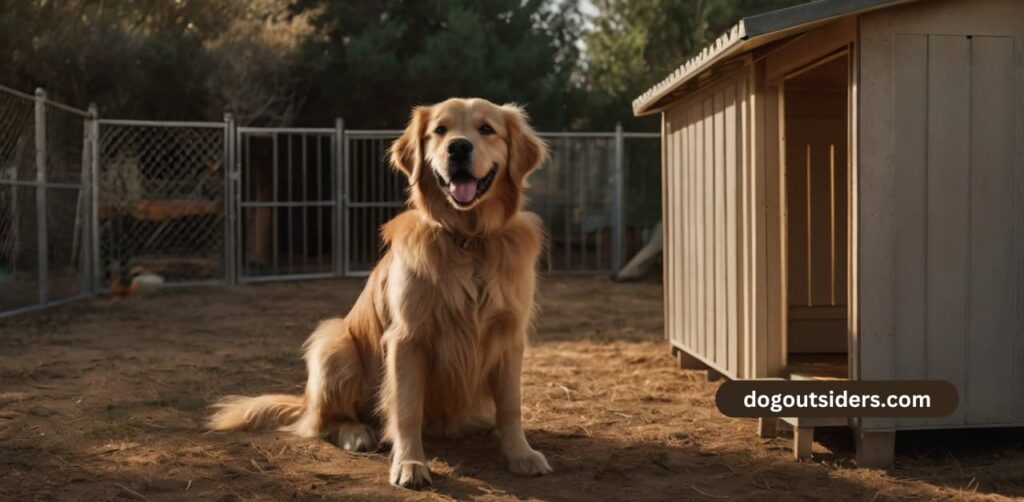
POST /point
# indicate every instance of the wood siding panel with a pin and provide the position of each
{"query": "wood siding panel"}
(685, 237)
(702, 228)
(679, 186)
(911, 127)
(731, 191)
(743, 231)
(992, 302)
(1017, 381)
(721, 282)
(874, 176)
(707, 167)
(958, 304)
(909, 287)
(775, 201)
(691, 218)
(947, 232)
(706, 147)
(762, 363)
(673, 251)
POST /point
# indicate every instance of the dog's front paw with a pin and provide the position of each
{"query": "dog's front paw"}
(531, 462)
(411, 474)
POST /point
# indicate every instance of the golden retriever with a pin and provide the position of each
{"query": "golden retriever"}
(435, 341)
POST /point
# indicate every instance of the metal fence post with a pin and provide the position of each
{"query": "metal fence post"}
(340, 168)
(230, 209)
(41, 230)
(618, 224)
(88, 188)
(97, 260)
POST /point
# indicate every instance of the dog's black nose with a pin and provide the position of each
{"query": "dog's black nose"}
(460, 148)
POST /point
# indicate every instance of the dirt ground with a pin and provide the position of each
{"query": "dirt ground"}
(105, 399)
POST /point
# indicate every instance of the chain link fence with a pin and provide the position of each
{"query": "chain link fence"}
(161, 200)
(45, 202)
(89, 205)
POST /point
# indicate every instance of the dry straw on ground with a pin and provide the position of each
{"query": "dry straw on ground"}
(105, 399)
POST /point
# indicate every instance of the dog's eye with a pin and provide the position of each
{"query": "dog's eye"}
(486, 130)
(440, 130)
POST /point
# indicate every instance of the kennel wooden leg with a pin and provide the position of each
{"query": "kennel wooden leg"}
(767, 427)
(803, 439)
(876, 448)
(688, 362)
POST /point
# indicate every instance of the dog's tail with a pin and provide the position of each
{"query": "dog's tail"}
(261, 412)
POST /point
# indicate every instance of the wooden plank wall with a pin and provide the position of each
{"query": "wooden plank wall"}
(941, 204)
(705, 210)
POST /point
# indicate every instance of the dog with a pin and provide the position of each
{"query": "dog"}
(435, 341)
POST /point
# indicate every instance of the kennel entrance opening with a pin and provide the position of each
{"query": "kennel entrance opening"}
(816, 142)
(287, 200)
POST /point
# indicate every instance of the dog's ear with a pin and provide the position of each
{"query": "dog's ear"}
(526, 150)
(407, 150)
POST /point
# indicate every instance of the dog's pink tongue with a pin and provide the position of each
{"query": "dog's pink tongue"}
(463, 191)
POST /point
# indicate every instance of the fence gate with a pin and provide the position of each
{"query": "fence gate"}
(287, 204)
(374, 193)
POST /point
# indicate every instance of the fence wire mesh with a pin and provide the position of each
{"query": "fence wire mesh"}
(67, 204)
(19, 279)
(138, 196)
(574, 194)
(642, 189)
(44, 213)
(161, 201)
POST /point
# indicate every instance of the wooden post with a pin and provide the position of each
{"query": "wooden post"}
(876, 448)
(688, 362)
(714, 375)
(803, 439)
(767, 427)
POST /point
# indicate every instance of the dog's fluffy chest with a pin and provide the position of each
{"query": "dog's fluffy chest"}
(465, 298)
(476, 284)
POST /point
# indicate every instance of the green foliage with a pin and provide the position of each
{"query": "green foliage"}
(308, 61)
(141, 58)
(635, 43)
(379, 57)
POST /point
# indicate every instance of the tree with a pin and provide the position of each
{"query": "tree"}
(373, 59)
(635, 43)
(252, 72)
(149, 59)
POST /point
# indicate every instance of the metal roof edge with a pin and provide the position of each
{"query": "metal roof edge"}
(749, 28)
(722, 46)
(807, 13)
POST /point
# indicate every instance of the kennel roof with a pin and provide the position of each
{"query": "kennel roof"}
(750, 33)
